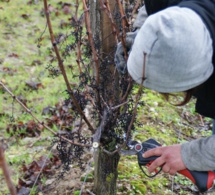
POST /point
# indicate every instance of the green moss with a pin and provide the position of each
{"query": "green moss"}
(76, 192)
(110, 177)
(87, 178)
(138, 187)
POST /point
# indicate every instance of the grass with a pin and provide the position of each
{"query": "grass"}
(21, 61)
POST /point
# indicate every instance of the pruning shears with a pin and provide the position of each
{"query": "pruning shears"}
(204, 180)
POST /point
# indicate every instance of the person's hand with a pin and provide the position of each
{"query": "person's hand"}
(119, 59)
(169, 158)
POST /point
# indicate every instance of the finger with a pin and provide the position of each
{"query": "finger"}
(120, 63)
(165, 168)
(172, 171)
(119, 60)
(155, 164)
(153, 152)
(119, 49)
(121, 66)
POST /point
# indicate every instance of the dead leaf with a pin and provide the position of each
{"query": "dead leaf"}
(66, 9)
(34, 85)
(25, 16)
(13, 55)
(31, 129)
(36, 62)
(51, 8)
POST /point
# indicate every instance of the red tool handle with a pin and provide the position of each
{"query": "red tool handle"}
(202, 179)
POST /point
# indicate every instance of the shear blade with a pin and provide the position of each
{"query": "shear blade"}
(128, 152)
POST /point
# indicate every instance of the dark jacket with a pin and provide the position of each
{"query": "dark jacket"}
(205, 104)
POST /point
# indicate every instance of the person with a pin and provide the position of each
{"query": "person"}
(172, 50)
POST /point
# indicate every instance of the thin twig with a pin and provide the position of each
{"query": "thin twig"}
(61, 66)
(91, 193)
(78, 60)
(40, 122)
(79, 56)
(128, 89)
(89, 164)
(122, 104)
(201, 120)
(134, 112)
(41, 169)
(124, 24)
(100, 129)
(6, 173)
(79, 43)
(94, 52)
(90, 38)
(137, 100)
(76, 8)
(105, 103)
(105, 6)
(135, 8)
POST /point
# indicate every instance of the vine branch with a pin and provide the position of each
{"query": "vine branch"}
(134, 111)
(90, 38)
(40, 122)
(124, 24)
(105, 6)
(6, 173)
(61, 66)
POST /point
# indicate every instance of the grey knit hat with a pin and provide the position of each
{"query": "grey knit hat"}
(178, 50)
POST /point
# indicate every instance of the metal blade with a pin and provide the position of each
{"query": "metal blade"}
(132, 151)
(128, 152)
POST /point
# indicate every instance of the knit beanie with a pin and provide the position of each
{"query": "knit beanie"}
(178, 51)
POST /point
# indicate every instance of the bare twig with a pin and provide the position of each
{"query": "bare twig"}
(6, 173)
(134, 111)
(105, 103)
(94, 52)
(100, 129)
(40, 122)
(91, 193)
(76, 8)
(105, 6)
(201, 120)
(44, 163)
(78, 60)
(136, 100)
(61, 66)
(89, 164)
(128, 89)
(124, 24)
(135, 8)
(118, 106)
(90, 38)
